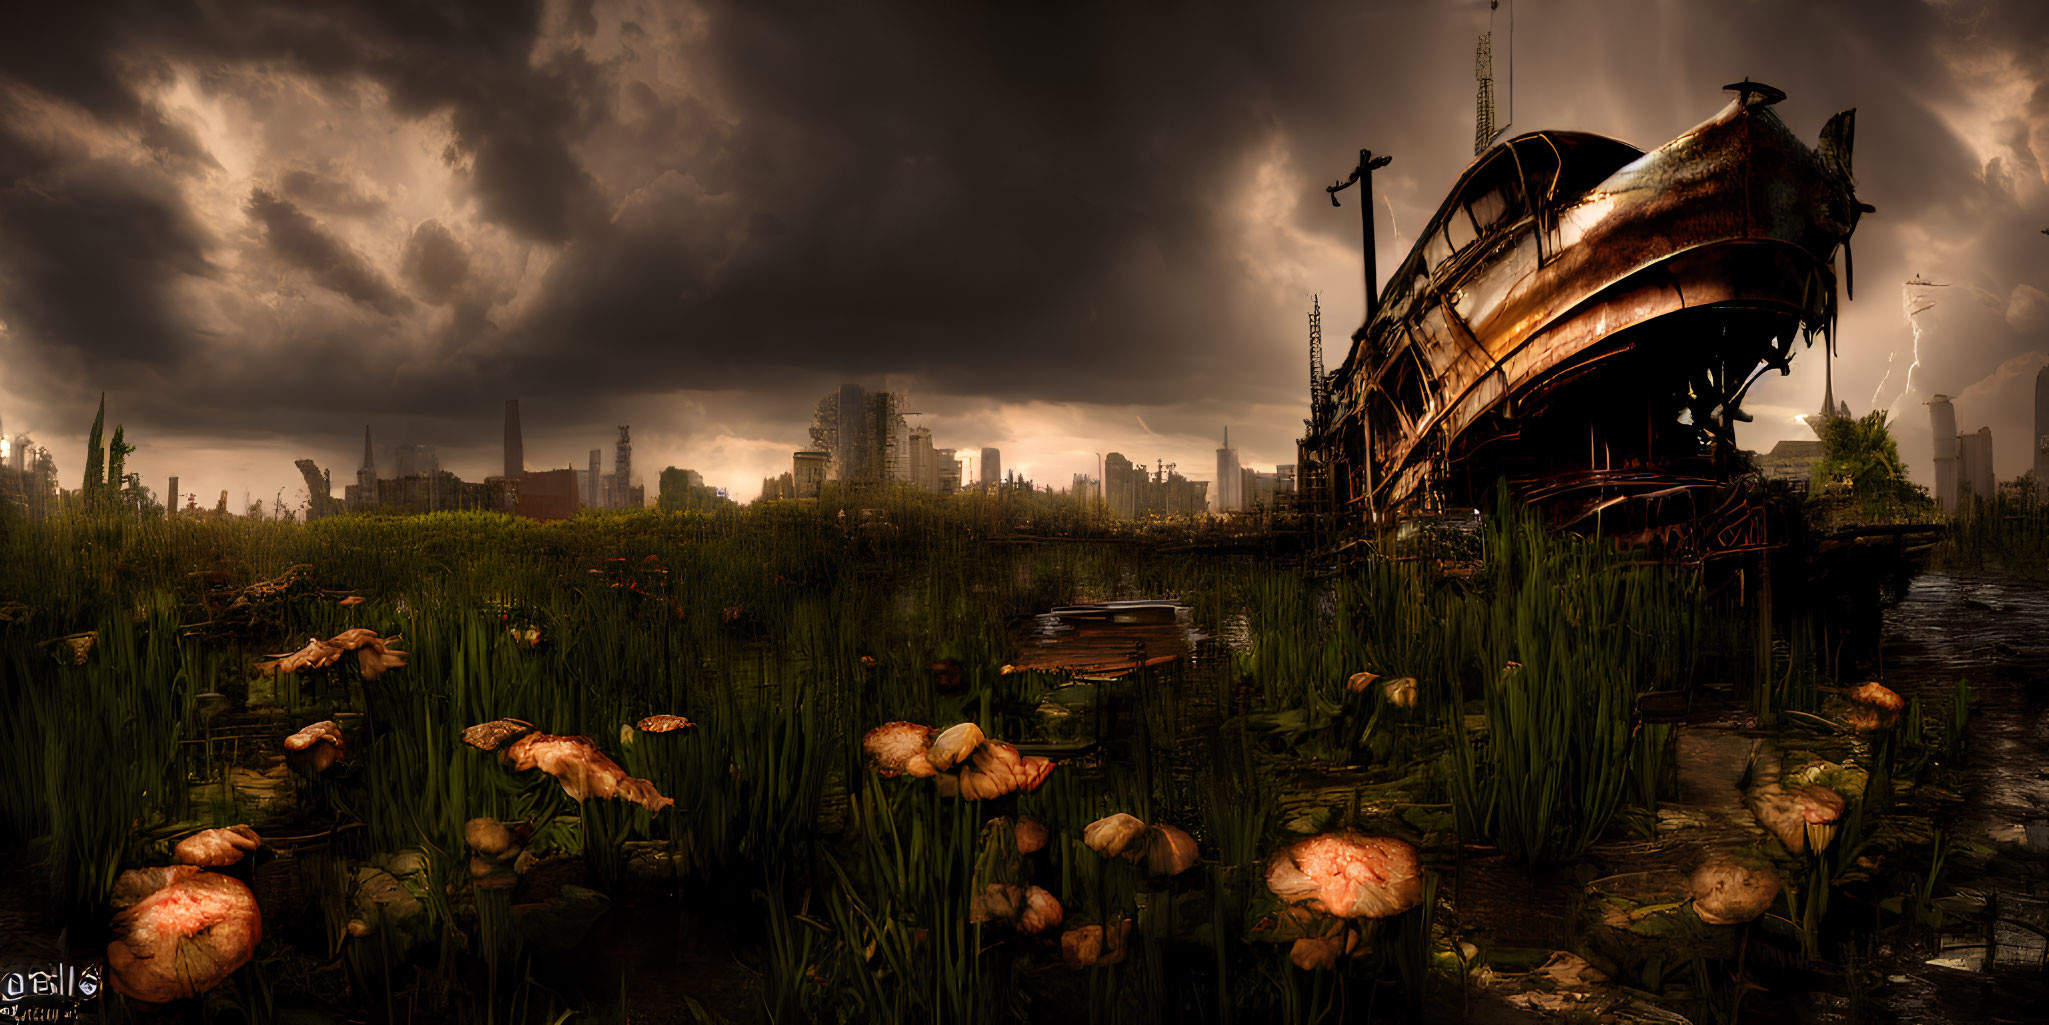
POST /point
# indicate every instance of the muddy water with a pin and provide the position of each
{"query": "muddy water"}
(1994, 632)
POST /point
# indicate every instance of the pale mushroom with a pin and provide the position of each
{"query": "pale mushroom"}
(997, 769)
(1358, 682)
(1087, 946)
(1804, 818)
(1321, 953)
(316, 748)
(1731, 891)
(582, 769)
(996, 902)
(489, 838)
(1348, 875)
(1400, 691)
(920, 767)
(351, 640)
(1041, 912)
(490, 735)
(663, 724)
(891, 746)
(1169, 851)
(317, 654)
(377, 656)
(351, 600)
(1112, 835)
(1031, 835)
(183, 932)
(217, 848)
(950, 747)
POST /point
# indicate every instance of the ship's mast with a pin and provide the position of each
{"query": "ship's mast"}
(1318, 385)
(1483, 101)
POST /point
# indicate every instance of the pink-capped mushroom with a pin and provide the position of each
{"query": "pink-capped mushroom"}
(995, 770)
(1348, 875)
(182, 932)
(582, 769)
(1804, 818)
(316, 748)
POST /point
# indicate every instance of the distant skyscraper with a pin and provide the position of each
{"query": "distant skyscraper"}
(992, 467)
(2042, 433)
(924, 461)
(622, 470)
(515, 448)
(593, 496)
(1230, 485)
(946, 464)
(807, 472)
(1942, 422)
(366, 475)
(850, 453)
(1974, 464)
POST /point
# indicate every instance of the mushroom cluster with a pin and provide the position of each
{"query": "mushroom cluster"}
(575, 762)
(1347, 875)
(1031, 910)
(1804, 818)
(374, 654)
(1164, 850)
(963, 762)
(181, 930)
(315, 748)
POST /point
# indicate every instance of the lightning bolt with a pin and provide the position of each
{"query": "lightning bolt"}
(1914, 301)
(1888, 368)
(1392, 226)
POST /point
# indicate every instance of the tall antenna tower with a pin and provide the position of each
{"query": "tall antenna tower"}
(1317, 384)
(1483, 101)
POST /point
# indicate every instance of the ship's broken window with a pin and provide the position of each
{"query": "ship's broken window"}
(1458, 230)
(1404, 384)
(1383, 427)
(1436, 250)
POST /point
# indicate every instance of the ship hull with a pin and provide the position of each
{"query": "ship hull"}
(1592, 343)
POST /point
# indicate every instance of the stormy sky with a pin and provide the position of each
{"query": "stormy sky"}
(1061, 229)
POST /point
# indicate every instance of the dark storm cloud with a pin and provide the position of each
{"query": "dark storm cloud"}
(326, 194)
(435, 263)
(91, 259)
(1004, 203)
(303, 244)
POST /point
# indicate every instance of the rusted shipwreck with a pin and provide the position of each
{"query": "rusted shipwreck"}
(1581, 320)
